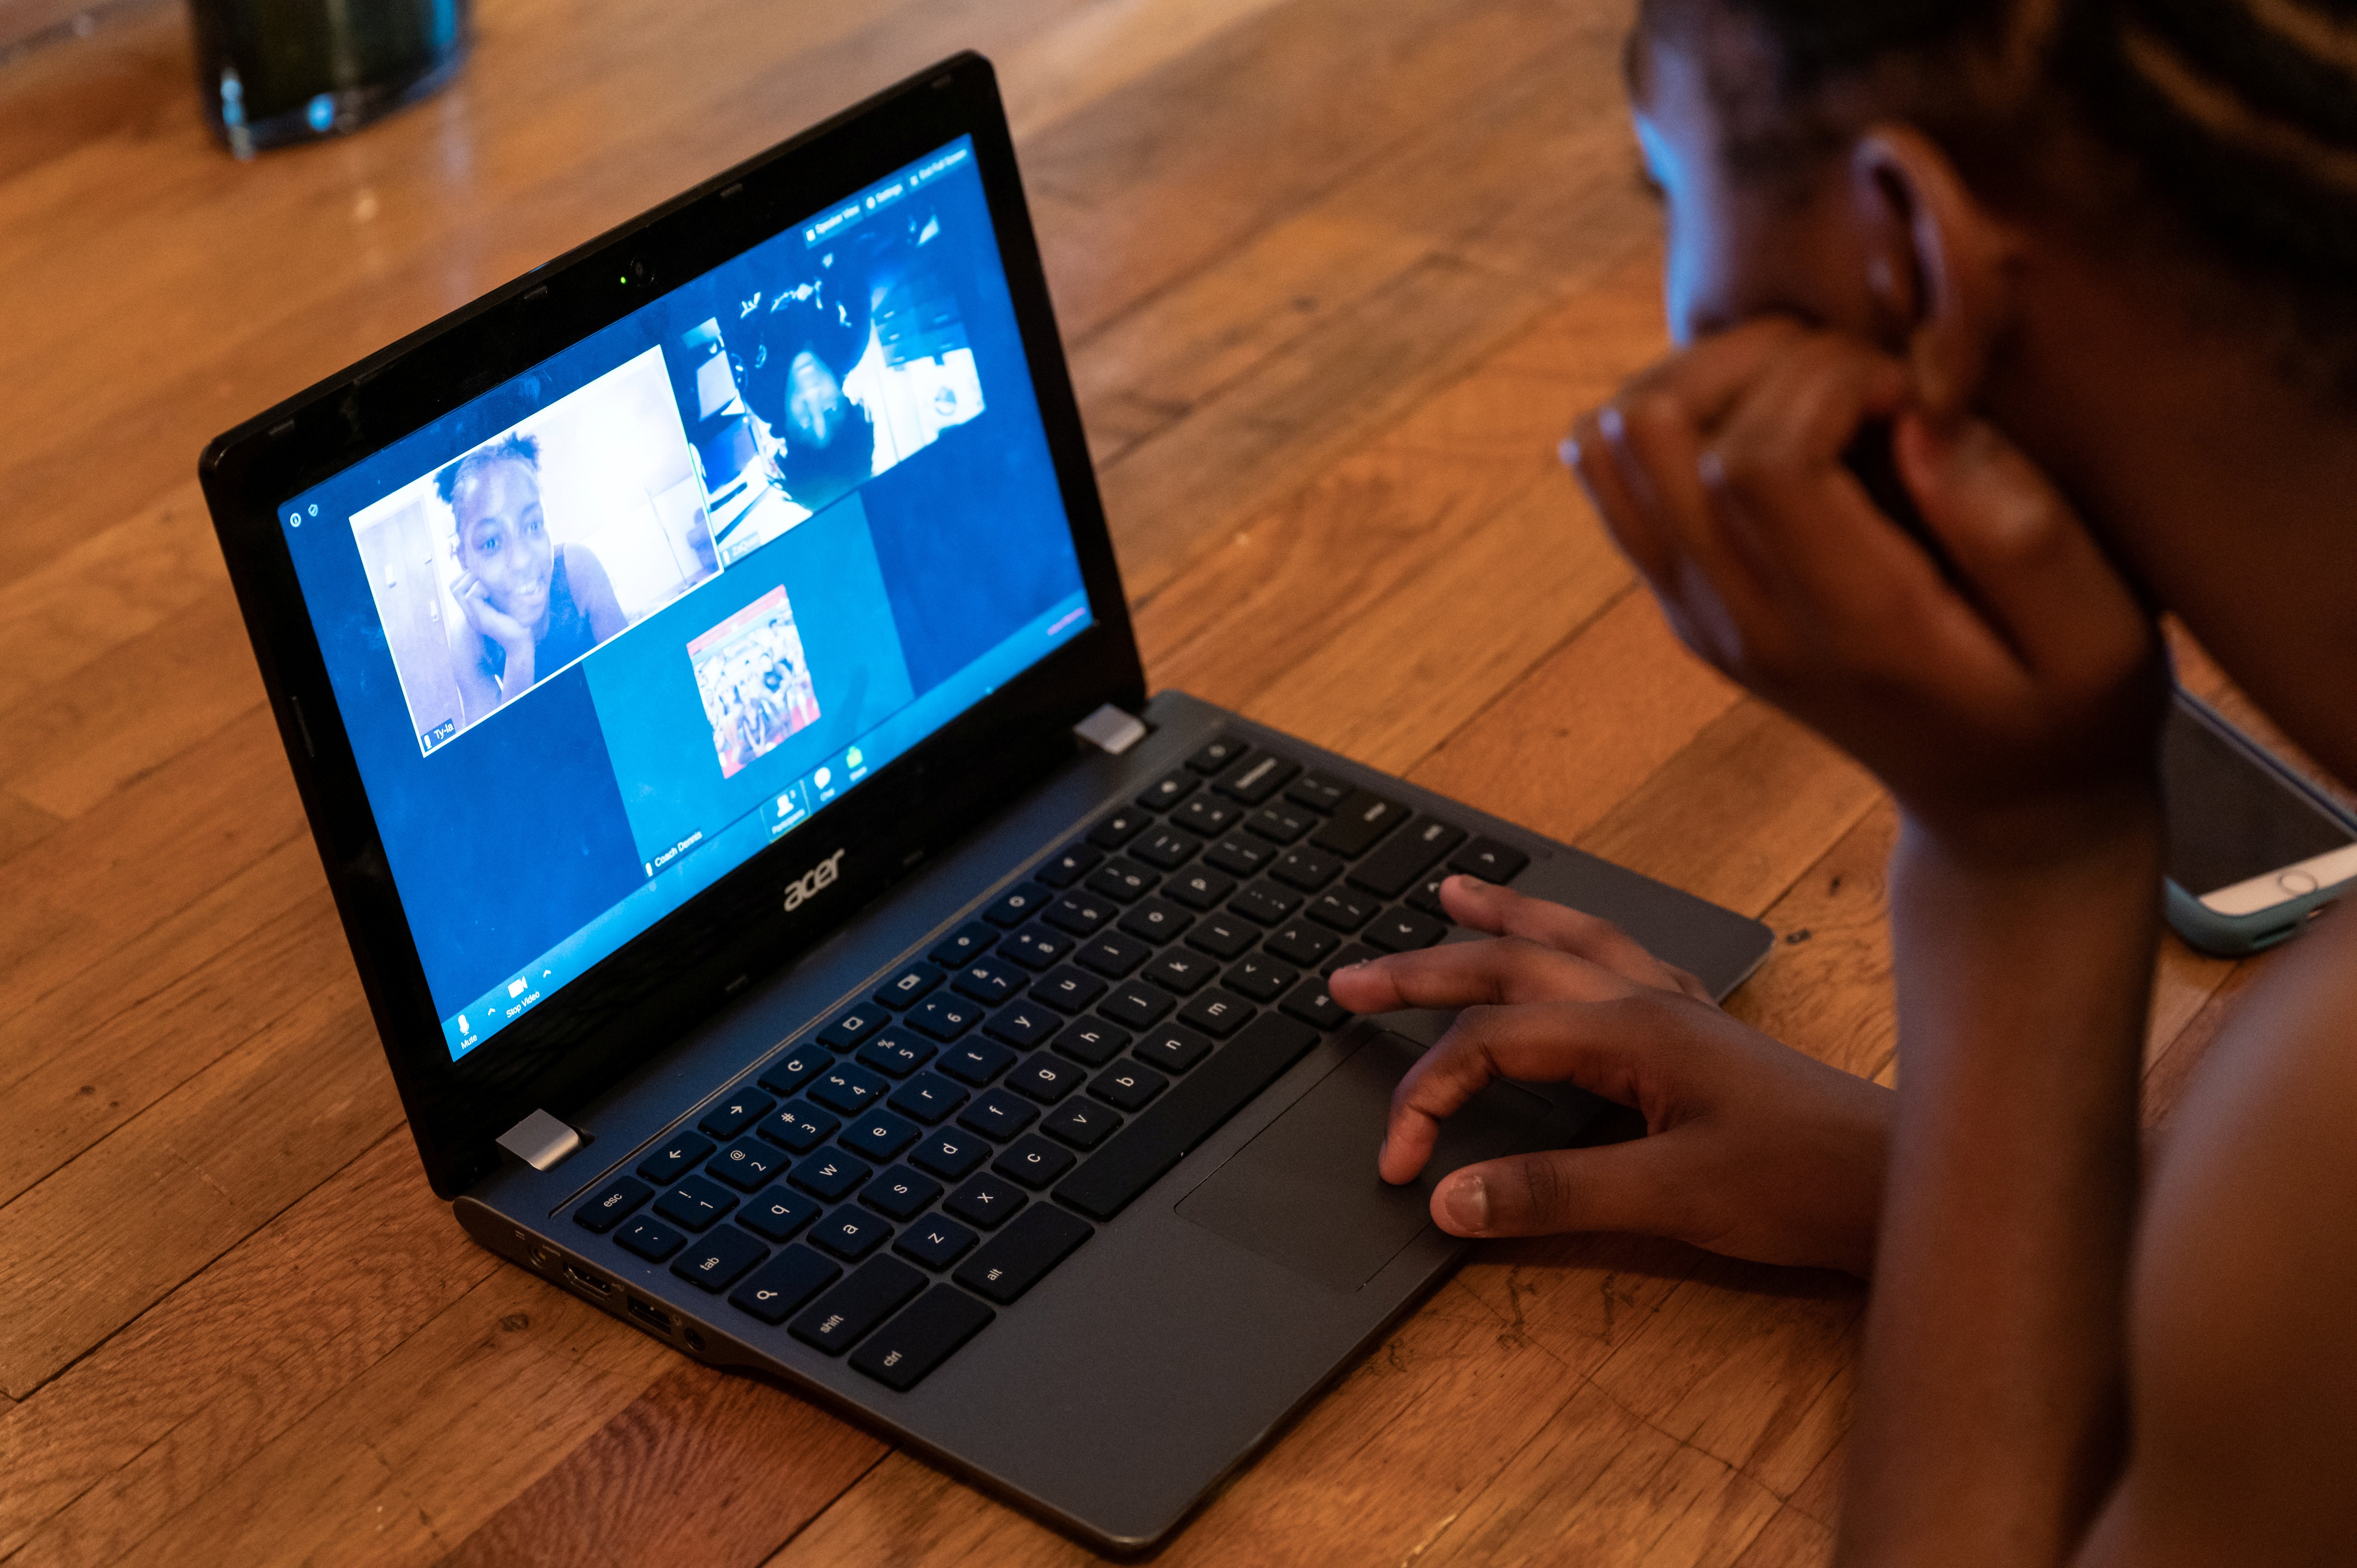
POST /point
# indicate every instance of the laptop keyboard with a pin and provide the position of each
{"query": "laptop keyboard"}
(885, 1184)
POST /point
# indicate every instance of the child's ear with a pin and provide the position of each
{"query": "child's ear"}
(1938, 265)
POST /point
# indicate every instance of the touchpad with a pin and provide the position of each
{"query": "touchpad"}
(1304, 1192)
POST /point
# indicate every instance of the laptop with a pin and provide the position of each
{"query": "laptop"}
(791, 925)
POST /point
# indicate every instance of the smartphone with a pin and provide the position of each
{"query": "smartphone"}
(2254, 849)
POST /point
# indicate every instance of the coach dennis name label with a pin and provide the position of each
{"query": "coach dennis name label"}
(817, 878)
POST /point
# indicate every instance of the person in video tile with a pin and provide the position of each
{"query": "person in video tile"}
(531, 606)
(809, 342)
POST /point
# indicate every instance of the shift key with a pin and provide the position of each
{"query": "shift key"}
(836, 1321)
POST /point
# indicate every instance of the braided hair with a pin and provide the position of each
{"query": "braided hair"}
(2228, 123)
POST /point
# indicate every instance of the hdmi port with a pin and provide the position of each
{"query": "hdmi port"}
(589, 1282)
(653, 1317)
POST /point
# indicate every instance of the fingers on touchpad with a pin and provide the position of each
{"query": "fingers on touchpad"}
(1304, 1192)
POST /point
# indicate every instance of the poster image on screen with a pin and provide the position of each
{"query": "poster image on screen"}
(755, 682)
(511, 562)
(832, 364)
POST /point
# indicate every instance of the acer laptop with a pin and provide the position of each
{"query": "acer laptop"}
(790, 925)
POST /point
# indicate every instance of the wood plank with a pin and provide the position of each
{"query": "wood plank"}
(1791, 1540)
(22, 825)
(1095, 52)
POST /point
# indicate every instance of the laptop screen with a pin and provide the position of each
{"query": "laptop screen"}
(609, 630)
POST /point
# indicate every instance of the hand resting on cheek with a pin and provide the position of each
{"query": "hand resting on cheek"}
(1753, 1149)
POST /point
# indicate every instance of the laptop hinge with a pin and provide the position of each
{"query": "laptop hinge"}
(1110, 729)
(541, 1141)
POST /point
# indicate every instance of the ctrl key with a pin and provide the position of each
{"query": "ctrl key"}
(921, 1338)
(840, 1318)
(784, 1282)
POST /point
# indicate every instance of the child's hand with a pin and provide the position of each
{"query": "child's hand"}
(1754, 1149)
(2006, 709)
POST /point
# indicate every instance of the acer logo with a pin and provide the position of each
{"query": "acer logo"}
(815, 880)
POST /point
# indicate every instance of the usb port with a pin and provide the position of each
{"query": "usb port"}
(588, 1282)
(653, 1317)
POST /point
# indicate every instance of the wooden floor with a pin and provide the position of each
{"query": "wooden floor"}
(1335, 276)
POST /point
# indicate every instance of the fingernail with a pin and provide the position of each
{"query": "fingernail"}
(1567, 452)
(1467, 1201)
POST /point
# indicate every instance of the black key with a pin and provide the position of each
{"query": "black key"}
(1174, 1049)
(777, 1214)
(879, 1135)
(831, 1174)
(1136, 1003)
(970, 940)
(1165, 849)
(784, 1282)
(1392, 869)
(977, 1061)
(1302, 944)
(1136, 1156)
(1405, 930)
(1310, 1004)
(943, 1018)
(799, 1127)
(1123, 881)
(998, 1116)
(1264, 904)
(736, 1113)
(716, 1261)
(849, 1089)
(1222, 750)
(1342, 908)
(1240, 855)
(650, 1239)
(1079, 913)
(1321, 792)
(1033, 1161)
(1127, 1085)
(1223, 935)
(937, 1243)
(1037, 948)
(840, 1318)
(1199, 889)
(1020, 1257)
(1071, 864)
(989, 981)
(1281, 824)
(1082, 1123)
(674, 1158)
(1120, 828)
(950, 1154)
(910, 985)
(1044, 1078)
(986, 1201)
(897, 1052)
(1092, 1044)
(901, 1193)
(1425, 894)
(1305, 868)
(928, 1097)
(1255, 779)
(1347, 955)
(1111, 955)
(1068, 989)
(1217, 1013)
(1024, 1024)
(1262, 979)
(1180, 971)
(913, 1344)
(695, 1203)
(1014, 905)
(1156, 921)
(1168, 790)
(850, 1233)
(793, 1069)
(854, 1027)
(1489, 860)
(1357, 823)
(747, 1164)
(1206, 818)
(613, 1204)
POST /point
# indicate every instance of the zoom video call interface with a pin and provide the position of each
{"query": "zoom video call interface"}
(614, 625)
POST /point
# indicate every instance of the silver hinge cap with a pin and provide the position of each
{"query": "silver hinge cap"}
(541, 1141)
(1110, 729)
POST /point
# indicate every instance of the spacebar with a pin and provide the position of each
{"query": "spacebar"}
(1134, 1158)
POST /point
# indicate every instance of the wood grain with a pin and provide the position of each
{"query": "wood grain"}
(1334, 278)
